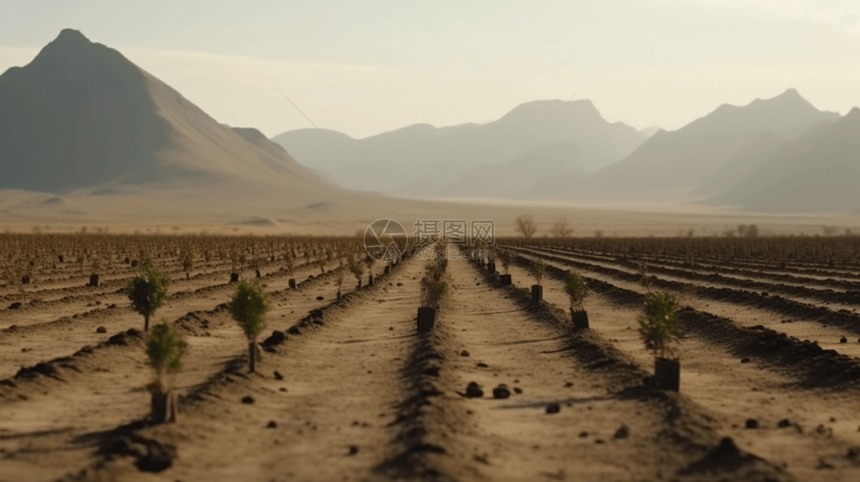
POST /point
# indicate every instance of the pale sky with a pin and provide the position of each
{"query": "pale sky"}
(367, 67)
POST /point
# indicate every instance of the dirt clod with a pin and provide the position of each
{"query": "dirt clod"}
(101, 329)
(464, 353)
(474, 390)
(248, 400)
(752, 423)
(501, 391)
(622, 432)
(272, 424)
(277, 338)
(553, 408)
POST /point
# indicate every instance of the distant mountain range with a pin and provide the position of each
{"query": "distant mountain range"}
(736, 154)
(461, 159)
(81, 116)
(690, 156)
(816, 171)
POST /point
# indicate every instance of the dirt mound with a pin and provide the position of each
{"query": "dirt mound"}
(727, 462)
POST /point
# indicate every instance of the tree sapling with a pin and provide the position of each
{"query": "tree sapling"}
(432, 290)
(357, 271)
(506, 258)
(537, 271)
(165, 349)
(577, 290)
(248, 307)
(186, 257)
(147, 291)
(661, 330)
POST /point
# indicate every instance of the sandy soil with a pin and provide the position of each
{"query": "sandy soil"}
(351, 392)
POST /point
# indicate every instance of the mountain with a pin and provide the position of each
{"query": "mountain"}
(817, 171)
(649, 131)
(688, 157)
(568, 185)
(82, 116)
(741, 164)
(462, 158)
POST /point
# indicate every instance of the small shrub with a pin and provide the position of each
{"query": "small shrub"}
(644, 277)
(659, 324)
(537, 270)
(147, 291)
(506, 258)
(432, 286)
(248, 307)
(165, 349)
(357, 271)
(13, 276)
(577, 289)
(186, 257)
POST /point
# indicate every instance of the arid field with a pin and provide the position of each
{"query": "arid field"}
(472, 241)
(346, 388)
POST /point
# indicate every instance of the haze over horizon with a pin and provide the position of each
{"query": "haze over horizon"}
(365, 70)
(66, 127)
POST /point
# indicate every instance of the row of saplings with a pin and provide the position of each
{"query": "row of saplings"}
(165, 346)
(658, 324)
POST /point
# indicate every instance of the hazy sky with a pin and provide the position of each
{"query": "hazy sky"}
(364, 67)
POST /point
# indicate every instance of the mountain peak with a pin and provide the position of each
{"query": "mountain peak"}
(72, 47)
(80, 114)
(71, 35)
(543, 108)
(853, 114)
(790, 97)
(790, 92)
